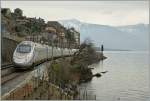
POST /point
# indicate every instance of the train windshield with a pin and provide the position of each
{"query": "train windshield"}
(24, 48)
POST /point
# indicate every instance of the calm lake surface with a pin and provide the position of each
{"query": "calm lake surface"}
(127, 78)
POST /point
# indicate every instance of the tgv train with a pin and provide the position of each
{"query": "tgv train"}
(28, 53)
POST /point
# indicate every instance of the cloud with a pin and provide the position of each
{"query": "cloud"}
(113, 13)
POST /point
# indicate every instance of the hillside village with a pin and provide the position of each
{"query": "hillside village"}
(37, 30)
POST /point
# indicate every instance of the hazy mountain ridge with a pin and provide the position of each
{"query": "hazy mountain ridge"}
(130, 37)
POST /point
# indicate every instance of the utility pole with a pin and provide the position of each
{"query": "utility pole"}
(62, 37)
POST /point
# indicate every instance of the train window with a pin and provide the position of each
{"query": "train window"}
(24, 48)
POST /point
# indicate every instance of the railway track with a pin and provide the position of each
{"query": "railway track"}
(7, 69)
(12, 76)
(9, 77)
(7, 73)
(6, 66)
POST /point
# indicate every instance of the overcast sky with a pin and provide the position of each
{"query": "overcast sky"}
(114, 13)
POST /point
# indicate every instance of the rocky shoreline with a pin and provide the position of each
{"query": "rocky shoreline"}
(86, 56)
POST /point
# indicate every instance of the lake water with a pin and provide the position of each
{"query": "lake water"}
(127, 78)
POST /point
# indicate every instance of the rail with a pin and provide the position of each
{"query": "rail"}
(5, 66)
(9, 77)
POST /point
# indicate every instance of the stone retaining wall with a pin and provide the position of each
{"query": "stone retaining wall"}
(8, 47)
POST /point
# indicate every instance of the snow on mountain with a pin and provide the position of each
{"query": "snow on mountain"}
(71, 23)
(133, 29)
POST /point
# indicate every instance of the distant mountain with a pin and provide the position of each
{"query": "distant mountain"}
(130, 37)
(71, 23)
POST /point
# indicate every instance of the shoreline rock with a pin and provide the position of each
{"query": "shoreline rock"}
(97, 75)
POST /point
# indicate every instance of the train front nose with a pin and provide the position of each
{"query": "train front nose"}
(22, 55)
(22, 61)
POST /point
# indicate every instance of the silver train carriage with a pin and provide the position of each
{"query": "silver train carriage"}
(28, 53)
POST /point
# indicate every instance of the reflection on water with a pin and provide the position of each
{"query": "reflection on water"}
(101, 66)
(127, 78)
